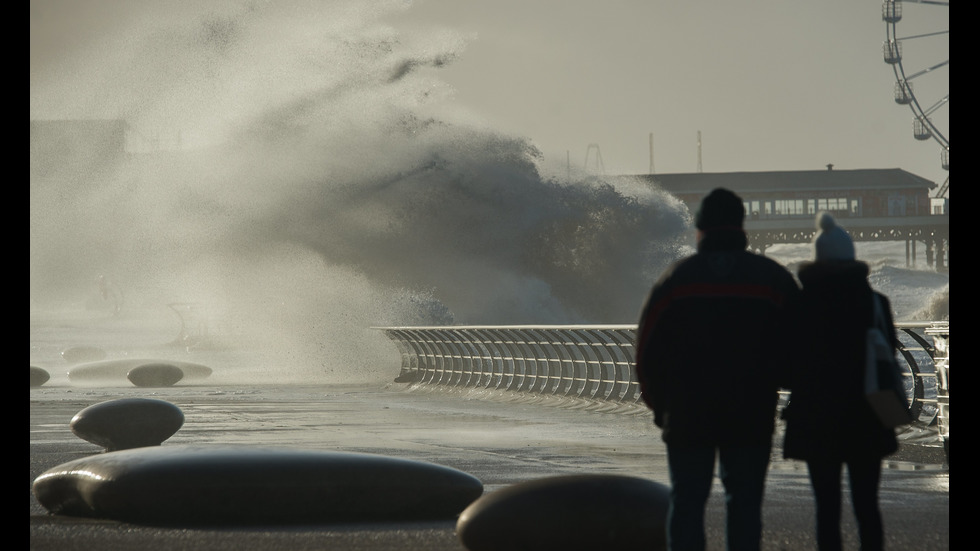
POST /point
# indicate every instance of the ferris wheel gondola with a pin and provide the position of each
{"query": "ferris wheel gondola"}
(918, 78)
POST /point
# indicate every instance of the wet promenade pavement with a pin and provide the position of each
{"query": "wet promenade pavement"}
(500, 438)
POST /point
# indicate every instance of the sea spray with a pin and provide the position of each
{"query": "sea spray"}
(295, 173)
(937, 308)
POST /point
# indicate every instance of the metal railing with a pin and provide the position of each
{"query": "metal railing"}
(940, 355)
(918, 350)
(596, 362)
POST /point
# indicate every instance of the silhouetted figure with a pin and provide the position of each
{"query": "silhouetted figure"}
(705, 359)
(829, 423)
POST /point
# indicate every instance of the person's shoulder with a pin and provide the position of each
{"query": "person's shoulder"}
(765, 262)
(772, 271)
(667, 277)
(760, 258)
(686, 261)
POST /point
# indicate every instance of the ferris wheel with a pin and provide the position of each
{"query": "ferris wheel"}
(920, 60)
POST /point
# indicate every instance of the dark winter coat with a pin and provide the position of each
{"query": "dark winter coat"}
(828, 416)
(704, 348)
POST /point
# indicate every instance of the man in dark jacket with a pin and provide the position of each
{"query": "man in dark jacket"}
(707, 368)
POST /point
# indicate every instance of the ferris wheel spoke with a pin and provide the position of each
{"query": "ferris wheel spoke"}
(936, 105)
(937, 33)
(929, 70)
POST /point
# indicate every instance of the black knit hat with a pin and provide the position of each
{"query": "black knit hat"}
(720, 209)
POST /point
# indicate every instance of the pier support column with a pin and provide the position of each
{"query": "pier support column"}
(940, 256)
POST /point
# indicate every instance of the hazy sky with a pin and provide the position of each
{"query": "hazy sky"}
(770, 84)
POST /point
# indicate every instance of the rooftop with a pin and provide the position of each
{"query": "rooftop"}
(747, 182)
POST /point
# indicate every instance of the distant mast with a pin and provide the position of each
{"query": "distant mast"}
(699, 151)
(651, 153)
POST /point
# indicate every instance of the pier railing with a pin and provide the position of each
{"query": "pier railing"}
(596, 362)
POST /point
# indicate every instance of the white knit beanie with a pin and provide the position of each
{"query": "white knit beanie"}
(832, 242)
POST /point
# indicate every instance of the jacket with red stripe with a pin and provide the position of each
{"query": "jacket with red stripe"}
(708, 344)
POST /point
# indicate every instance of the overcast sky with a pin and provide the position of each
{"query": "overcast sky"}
(770, 84)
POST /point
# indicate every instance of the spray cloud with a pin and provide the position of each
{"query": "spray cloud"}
(294, 167)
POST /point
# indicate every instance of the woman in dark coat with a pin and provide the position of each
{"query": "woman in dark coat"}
(828, 421)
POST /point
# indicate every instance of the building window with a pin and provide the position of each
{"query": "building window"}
(833, 204)
(896, 205)
(789, 207)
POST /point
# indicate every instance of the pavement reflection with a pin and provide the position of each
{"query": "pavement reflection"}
(501, 439)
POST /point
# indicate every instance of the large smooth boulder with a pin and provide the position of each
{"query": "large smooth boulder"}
(155, 374)
(101, 371)
(127, 423)
(206, 485)
(568, 513)
(39, 376)
(77, 354)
